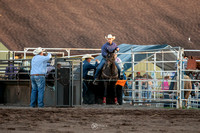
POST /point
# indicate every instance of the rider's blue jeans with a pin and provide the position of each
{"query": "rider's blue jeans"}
(37, 93)
(100, 66)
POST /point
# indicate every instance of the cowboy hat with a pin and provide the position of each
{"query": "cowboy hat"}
(38, 51)
(88, 56)
(109, 36)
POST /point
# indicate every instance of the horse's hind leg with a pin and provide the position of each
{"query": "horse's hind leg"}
(115, 94)
(186, 96)
(186, 103)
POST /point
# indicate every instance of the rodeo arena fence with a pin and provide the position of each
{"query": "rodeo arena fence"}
(155, 77)
(160, 67)
(63, 79)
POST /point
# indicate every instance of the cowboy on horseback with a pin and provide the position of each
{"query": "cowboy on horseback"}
(109, 46)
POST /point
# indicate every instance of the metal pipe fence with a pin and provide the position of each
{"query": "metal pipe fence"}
(150, 90)
(157, 65)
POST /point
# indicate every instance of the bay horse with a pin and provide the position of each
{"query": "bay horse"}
(186, 85)
(109, 74)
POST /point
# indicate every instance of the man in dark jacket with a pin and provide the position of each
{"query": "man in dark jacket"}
(87, 66)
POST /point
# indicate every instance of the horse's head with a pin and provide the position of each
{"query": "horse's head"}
(111, 56)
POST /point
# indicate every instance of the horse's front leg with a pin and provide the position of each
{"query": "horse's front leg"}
(115, 94)
(105, 92)
(186, 104)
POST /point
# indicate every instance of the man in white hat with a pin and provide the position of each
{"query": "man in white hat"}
(87, 66)
(109, 46)
(38, 71)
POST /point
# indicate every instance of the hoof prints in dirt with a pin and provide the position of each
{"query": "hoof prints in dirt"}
(105, 119)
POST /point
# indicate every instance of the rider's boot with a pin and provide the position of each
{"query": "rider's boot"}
(104, 100)
(116, 102)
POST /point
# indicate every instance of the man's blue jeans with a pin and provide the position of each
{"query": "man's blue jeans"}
(100, 66)
(37, 93)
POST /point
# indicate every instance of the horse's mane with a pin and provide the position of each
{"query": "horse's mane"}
(110, 70)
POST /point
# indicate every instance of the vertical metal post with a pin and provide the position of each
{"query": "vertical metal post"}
(162, 72)
(155, 81)
(72, 83)
(181, 78)
(146, 90)
(68, 53)
(9, 55)
(25, 50)
(132, 71)
(13, 55)
(56, 81)
(177, 80)
(81, 80)
(179, 84)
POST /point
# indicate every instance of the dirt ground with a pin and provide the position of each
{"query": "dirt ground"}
(98, 118)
